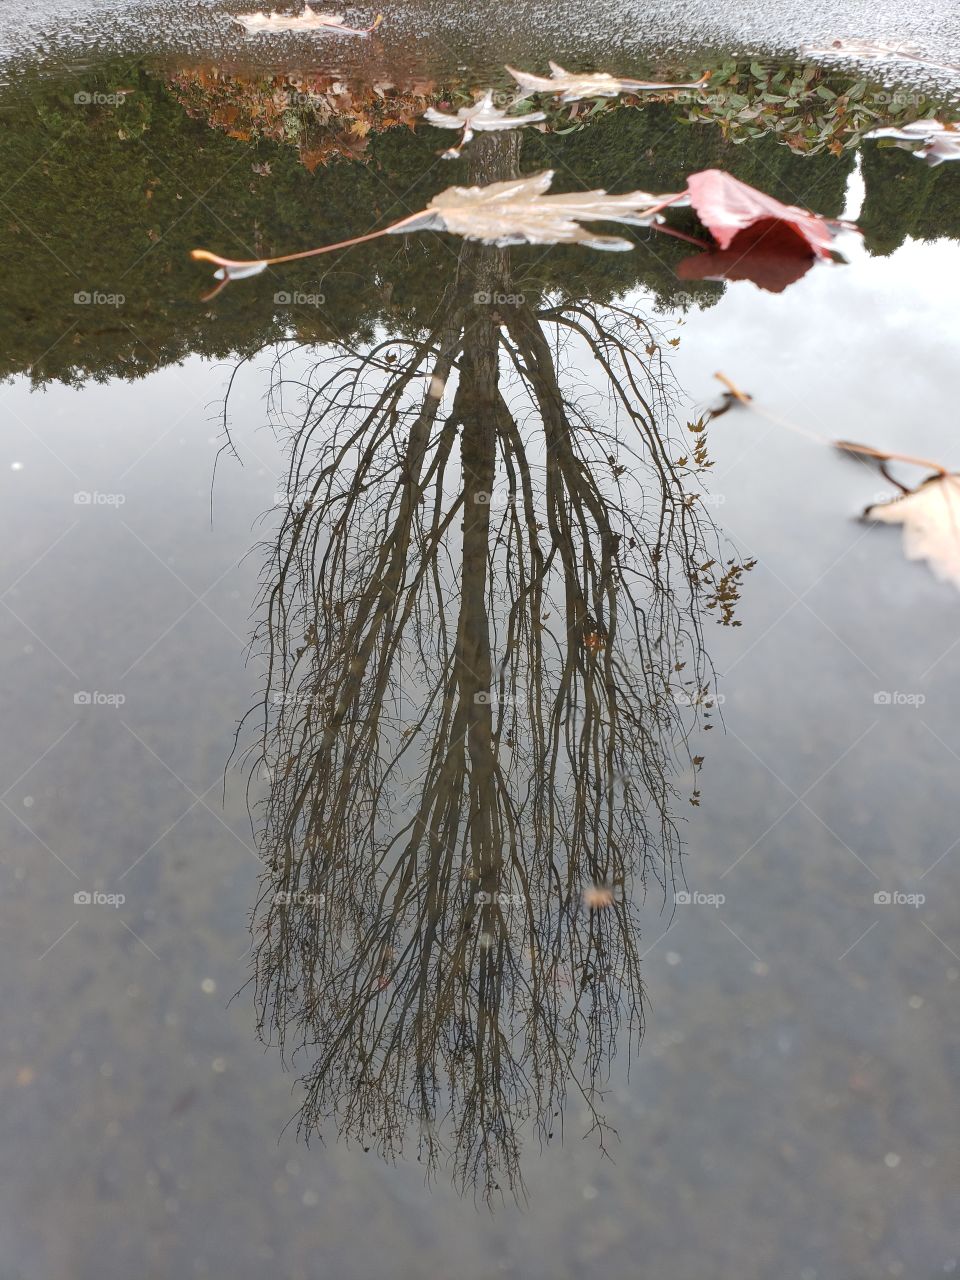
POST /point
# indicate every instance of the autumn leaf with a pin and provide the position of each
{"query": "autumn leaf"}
(309, 20)
(930, 140)
(227, 270)
(573, 86)
(875, 49)
(729, 207)
(482, 117)
(502, 213)
(519, 212)
(930, 516)
(862, 49)
(758, 238)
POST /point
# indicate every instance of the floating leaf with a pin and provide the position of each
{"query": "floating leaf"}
(309, 20)
(518, 212)
(931, 140)
(729, 207)
(227, 270)
(503, 213)
(572, 86)
(930, 516)
(875, 49)
(482, 117)
(758, 238)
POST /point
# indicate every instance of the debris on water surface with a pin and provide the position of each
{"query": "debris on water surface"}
(309, 20)
(732, 395)
(875, 50)
(482, 117)
(520, 212)
(728, 207)
(930, 140)
(502, 213)
(930, 515)
(758, 238)
(572, 86)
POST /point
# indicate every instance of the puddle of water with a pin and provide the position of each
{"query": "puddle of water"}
(459, 721)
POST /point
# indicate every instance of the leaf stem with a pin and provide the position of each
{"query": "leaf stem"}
(846, 446)
(681, 235)
(204, 256)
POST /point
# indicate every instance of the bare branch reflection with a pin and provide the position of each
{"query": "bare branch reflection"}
(483, 623)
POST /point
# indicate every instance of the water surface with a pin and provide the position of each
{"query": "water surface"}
(789, 1109)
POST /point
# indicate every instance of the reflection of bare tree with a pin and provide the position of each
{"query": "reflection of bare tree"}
(481, 595)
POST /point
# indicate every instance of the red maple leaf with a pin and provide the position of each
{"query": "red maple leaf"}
(728, 207)
(758, 238)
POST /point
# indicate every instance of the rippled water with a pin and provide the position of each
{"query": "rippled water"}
(790, 1109)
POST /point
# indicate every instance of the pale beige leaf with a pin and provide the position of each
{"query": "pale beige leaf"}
(519, 212)
(863, 49)
(482, 117)
(876, 49)
(573, 86)
(931, 140)
(931, 524)
(309, 20)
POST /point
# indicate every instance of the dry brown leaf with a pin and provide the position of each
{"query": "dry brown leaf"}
(930, 516)
(519, 212)
(573, 86)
